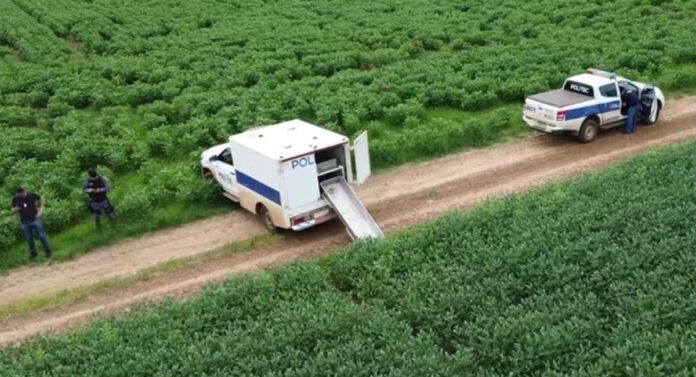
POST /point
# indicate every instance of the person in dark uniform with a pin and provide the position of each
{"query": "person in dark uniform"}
(96, 187)
(24, 204)
(631, 102)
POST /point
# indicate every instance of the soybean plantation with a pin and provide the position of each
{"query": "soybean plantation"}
(139, 88)
(585, 278)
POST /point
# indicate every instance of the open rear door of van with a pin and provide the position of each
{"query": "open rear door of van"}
(361, 151)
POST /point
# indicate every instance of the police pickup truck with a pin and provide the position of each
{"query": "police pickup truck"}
(589, 102)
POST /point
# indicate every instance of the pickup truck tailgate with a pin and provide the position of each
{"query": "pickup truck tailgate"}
(560, 98)
(545, 107)
(539, 111)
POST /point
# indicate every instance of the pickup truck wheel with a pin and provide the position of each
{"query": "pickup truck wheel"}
(265, 218)
(588, 131)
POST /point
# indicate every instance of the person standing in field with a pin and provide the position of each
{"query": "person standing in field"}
(24, 204)
(96, 187)
(631, 102)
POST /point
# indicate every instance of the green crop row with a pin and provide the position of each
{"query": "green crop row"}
(120, 84)
(593, 277)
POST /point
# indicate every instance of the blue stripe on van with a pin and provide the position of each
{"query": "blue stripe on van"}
(586, 111)
(258, 187)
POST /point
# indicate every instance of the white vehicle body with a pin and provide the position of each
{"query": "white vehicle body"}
(277, 171)
(595, 96)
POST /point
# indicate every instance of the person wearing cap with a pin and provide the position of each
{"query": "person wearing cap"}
(24, 204)
(96, 187)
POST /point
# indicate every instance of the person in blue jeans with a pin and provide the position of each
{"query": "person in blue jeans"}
(25, 205)
(631, 102)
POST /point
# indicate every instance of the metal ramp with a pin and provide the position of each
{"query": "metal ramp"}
(349, 209)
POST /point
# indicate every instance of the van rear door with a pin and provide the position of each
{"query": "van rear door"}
(361, 151)
(300, 179)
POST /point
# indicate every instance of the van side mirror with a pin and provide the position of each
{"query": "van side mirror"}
(214, 158)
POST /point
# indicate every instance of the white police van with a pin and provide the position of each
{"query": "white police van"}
(294, 175)
(589, 102)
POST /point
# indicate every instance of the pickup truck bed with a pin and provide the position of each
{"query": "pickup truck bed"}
(560, 98)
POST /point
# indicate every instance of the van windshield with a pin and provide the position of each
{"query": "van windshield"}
(579, 88)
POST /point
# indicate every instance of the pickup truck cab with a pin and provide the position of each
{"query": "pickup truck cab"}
(589, 102)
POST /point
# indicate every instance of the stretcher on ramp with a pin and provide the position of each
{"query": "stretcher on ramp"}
(350, 210)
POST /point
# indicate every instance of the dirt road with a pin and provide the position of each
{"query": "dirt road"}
(397, 199)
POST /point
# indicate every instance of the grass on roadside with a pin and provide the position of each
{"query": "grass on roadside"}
(84, 236)
(69, 296)
(441, 131)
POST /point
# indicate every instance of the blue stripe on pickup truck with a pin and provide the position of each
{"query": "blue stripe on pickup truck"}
(258, 187)
(586, 111)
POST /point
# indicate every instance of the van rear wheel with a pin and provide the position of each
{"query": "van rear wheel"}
(265, 218)
(588, 131)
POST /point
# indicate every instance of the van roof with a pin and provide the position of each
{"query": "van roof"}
(288, 139)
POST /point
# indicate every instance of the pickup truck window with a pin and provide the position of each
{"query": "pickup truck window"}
(625, 86)
(577, 87)
(608, 90)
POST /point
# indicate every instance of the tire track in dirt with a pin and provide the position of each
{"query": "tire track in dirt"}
(399, 198)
